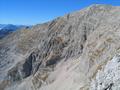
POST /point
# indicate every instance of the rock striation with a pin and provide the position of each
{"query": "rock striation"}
(66, 53)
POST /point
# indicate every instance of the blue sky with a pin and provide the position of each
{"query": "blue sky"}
(38, 11)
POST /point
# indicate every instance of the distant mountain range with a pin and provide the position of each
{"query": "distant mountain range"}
(5, 29)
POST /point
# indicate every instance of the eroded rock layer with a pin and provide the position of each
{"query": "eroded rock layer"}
(64, 54)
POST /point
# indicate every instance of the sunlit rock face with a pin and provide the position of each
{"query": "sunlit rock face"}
(109, 77)
(67, 53)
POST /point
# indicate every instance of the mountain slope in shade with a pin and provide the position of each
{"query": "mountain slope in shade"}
(66, 53)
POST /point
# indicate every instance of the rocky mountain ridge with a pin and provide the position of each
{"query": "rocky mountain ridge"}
(63, 54)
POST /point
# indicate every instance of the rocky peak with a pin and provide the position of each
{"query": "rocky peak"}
(72, 48)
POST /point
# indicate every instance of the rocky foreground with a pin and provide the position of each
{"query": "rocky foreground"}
(79, 51)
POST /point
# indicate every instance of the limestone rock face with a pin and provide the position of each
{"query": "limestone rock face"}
(64, 54)
(109, 78)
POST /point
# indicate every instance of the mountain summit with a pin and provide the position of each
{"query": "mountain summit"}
(79, 51)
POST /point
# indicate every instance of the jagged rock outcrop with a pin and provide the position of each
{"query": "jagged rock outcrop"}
(63, 54)
(108, 78)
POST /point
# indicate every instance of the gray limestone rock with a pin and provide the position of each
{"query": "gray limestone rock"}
(109, 77)
(63, 54)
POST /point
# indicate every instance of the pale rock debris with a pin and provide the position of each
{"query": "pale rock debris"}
(109, 77)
